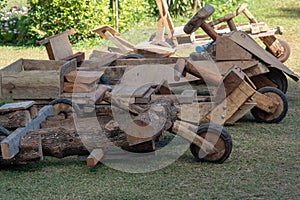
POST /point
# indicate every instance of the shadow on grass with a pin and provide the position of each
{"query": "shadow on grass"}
(288, 13)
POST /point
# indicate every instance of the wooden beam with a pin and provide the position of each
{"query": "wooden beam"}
(95, 157)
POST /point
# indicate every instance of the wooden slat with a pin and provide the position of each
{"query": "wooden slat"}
(86, 77)
(78, 87)
(16, 106)
(187, 96)
(98, 94)
(244, 109)
(61, 46)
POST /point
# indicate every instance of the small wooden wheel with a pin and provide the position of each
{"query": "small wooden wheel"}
(279, 114)
(278, 77)
(217, 135)
(198, 19)
(4, 131)
(286, 51)
(65, 108)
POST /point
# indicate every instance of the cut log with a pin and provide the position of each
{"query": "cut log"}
(14, 120)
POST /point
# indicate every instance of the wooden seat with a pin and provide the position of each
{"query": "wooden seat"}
(59, 47)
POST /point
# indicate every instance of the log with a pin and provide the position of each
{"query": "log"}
(210, 77)
(14, 120)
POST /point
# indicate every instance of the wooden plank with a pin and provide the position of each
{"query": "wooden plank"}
(262, 80)
(63, 70)
(233, 50)
(79, 56)
(16, 106)
(86, 77)
(146, 98)
(127, 91)
(119, 44)
(187, 96)
(98, 94)
(145, 61)
(42, 65)
(95, 156)
(231, 80)
(156, 49)
(256, 70)
(179, 69)
(244, 109)
(194, 112)
(78, 87)
(47, 40)
(224, 66)
(200, 70)
(187, 131)
(10, 145)
(103, 58)
(231, 104)
(31, 85)
(61, 46)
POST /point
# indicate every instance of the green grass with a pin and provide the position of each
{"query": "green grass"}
(264, 164)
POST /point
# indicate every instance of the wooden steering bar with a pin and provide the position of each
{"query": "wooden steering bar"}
(228, 18)
(198, 20)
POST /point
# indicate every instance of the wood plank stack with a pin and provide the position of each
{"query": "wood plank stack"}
(81, 81)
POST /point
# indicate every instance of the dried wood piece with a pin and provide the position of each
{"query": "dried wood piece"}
(86, 77)
(179, 69)
(197, 69)
(98, 94)
(16, 119)
(95, 156)
(78, 87)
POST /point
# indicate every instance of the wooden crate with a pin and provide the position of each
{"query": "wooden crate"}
(34, 79)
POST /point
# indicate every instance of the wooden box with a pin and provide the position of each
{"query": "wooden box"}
(34, 79)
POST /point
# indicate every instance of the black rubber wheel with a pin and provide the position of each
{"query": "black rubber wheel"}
(4, 131)
(279, 114)
(220, 137)
(286, 51)
(278, 77)
(197, 20)
(65, 107)
(133, 56)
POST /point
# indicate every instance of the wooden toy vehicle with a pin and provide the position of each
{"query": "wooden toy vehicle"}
(278, 47)
(239, 48)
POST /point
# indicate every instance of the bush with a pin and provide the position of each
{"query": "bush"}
(49, 17)
(12, 27)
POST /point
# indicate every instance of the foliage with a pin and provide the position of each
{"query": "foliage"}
(12, 24)
(3, 4)
(49, 17)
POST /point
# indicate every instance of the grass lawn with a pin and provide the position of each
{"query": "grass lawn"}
(264, 164)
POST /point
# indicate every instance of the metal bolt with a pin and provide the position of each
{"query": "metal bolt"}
(222, 116)
(224, 107)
